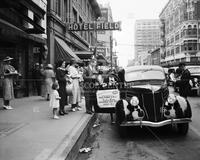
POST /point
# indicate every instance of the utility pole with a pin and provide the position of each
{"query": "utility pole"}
(111, 46)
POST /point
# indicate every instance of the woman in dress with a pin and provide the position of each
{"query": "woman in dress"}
(49, 78)
(8, 74)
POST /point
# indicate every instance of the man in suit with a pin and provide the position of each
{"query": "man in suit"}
(89, 77)
(184, 85)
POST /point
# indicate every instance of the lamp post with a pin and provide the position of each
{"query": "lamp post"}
(111, 46)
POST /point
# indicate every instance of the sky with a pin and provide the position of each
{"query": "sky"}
(127, 11)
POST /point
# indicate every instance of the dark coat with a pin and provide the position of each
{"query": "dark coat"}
(184, 85)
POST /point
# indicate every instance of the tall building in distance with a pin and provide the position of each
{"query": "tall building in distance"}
(147, 38)
(180, 32)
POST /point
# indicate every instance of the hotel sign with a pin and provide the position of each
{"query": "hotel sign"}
(94, 26)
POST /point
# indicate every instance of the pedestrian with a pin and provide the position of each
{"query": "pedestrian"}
(61, 78)
(89, 77)
(37, 78)
(75, 98)
(81, 80)
(184, 85)
(54, 100)
(9, 73)
(49, 78)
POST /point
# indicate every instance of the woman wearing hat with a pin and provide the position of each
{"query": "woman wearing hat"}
(49, 78)
(8, 91)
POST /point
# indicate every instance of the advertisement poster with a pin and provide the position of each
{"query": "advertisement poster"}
(107, 98)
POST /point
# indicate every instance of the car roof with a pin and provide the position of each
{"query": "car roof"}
(144, 67)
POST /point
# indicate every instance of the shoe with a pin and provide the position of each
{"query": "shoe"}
(61, 113)
(56, 117)
(65, 112)
(5, 107)
(89, 112)
(9, 107)
(79, 108)
(73, 110)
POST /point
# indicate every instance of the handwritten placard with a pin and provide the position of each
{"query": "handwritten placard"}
(107, 98)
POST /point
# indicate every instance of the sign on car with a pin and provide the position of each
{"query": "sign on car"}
(107, 98)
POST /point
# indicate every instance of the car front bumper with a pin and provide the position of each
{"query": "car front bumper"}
(156, 124)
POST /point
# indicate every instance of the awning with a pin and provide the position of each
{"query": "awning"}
(20, 32)
(63, 51)
(84, 55)
(102, 59)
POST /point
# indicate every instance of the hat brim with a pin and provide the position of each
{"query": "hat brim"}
(8, 59)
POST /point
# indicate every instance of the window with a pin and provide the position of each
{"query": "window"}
(58, 7)
(177, 49)
(75, 15)
(177, 37)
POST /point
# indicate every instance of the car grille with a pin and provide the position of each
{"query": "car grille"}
(150, 102)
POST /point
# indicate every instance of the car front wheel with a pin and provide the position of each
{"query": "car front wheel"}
(183, 128)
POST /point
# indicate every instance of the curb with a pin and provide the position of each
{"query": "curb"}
(73, 141)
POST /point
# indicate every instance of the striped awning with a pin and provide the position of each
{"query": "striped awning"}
(63, 52)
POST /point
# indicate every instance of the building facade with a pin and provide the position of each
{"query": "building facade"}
(62, 43)
(22, 36)
(155, 57)
(105, 37)
(147, 38)
(180, 32)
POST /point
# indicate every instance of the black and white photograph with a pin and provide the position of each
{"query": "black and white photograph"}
(99, 80)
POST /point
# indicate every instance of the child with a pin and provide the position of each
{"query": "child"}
(54, 100)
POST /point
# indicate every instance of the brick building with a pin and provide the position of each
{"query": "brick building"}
(64, 44)
(180, 32)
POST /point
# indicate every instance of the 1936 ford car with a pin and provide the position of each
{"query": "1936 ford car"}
(144, 100)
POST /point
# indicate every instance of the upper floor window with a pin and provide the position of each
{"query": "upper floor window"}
(58, 7)
(74, 15)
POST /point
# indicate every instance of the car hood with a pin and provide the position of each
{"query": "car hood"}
(153, 88)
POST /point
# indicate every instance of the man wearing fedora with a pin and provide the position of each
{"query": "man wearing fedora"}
(8, 74)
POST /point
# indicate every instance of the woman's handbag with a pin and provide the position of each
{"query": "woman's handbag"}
(69, 87)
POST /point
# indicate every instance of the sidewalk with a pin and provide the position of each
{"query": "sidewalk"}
(28, 132)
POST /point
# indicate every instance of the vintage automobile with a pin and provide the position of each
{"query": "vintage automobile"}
(141, 98)
(195, 79)
(146, 101)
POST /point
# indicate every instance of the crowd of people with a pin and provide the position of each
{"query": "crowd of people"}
(68, 84)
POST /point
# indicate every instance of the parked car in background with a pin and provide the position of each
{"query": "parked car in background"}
(145, 101)
(195, 79)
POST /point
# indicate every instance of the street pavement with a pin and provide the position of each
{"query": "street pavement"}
(28, 132)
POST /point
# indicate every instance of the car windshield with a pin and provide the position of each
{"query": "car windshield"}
(194, 69)
(147, 74)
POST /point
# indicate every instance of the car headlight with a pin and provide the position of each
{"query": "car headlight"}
(171, 99)
(134, 101)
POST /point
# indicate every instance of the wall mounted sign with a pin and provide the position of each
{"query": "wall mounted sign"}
(94, 26)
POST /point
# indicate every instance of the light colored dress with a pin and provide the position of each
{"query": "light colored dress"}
(48, 81)
(54, 99)
(76, 93)
(8, 89)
